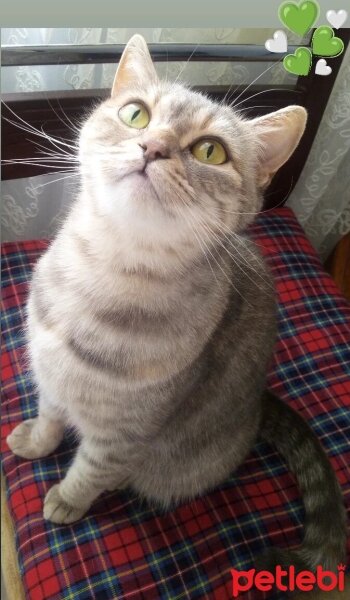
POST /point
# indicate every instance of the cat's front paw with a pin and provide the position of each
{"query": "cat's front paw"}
(24, 442)
(58, 510)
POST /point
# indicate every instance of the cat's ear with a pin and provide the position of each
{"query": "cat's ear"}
(278, 134)
(135, 69)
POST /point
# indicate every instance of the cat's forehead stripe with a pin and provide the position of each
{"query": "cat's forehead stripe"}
(207, 119)
(188, 114)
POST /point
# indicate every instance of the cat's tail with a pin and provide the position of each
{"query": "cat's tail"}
(325, 519)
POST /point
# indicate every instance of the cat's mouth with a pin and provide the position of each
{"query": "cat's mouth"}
(145, 179)
(147, 172)
(142, 172)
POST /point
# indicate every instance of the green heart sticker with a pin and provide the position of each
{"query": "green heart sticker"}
(324, 42)
(298, 63)
(299, 18)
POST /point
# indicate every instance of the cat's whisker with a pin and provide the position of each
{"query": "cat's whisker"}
(37, 159)
(58, 151)
(24, 126)
(242, 242)
(227, 231)
(75, 127)
(201, 243)
(41, 185)
(56, 156)
(233, 105)
(67, 145)
(228, 94)
(244, 259)
(260, 212)
(185, 66)
(243, 111)
(255, 80)
(210, 235)
(167, 66)
(220, 226)
(205, 251)
(53, 152)
(221, 243)
(57, 168)
(21, 127)
(68, 123)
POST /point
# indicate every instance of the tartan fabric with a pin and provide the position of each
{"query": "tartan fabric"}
(123, 549)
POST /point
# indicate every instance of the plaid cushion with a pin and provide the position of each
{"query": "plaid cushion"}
(125, 549)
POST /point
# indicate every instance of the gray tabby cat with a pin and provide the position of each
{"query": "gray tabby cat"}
(152, 319)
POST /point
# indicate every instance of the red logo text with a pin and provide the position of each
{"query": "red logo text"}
(287, 580)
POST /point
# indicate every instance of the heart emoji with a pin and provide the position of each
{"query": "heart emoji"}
(298, 63)
(324, 42)
(279, 42)
(299, 18)
(322, 68)
(336, 19)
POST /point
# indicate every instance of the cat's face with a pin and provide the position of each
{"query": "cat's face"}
(168, 161)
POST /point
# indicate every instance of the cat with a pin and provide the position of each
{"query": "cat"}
(151, 318)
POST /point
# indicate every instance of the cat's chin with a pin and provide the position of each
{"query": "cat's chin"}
(133, 190)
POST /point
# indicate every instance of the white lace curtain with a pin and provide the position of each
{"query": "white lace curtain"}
(33, 207)
(321, 197)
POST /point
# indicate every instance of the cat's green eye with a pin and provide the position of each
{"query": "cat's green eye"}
(210, 152)
(134, 115)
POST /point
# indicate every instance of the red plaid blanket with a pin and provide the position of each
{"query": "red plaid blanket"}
(123, 549)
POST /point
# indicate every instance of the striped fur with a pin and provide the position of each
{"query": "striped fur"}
(151, 318)
(325, 520)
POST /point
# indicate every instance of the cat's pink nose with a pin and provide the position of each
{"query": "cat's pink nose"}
(154, 149)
